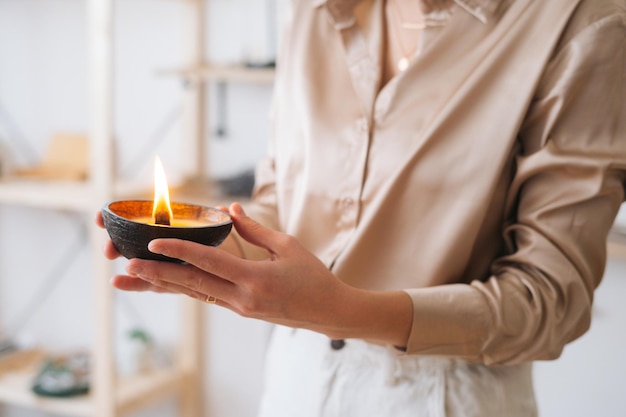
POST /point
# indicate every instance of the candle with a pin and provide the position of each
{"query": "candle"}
(173, 223)
(132, 224)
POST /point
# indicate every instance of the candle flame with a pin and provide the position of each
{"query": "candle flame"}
(161, 210)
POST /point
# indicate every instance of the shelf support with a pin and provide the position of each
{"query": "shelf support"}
(195, 96)
(100, 23)
(190, 359)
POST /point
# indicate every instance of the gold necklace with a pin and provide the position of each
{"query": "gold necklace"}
(404, 61)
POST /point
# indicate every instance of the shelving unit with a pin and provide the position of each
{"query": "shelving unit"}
(110, 395)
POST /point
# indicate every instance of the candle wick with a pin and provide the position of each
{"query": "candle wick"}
(162, 217)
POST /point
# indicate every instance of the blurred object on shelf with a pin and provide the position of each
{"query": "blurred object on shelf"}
(67, 158)
(18, 359)
(260, 56)
(65, 375)
(137, 353)
(221, 130)
(239, 185)
(260, 64)
(11, 343)
(7, 347)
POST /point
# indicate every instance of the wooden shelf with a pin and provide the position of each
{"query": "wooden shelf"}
(61, 195)
(79, 196)
(131, 392)
(70, 195)
(225, 73)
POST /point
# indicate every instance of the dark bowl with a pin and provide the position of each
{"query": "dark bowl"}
(130, 236)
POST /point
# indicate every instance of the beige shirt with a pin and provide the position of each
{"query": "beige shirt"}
(483, 180)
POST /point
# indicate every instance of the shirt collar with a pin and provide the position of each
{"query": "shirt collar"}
(483, 10)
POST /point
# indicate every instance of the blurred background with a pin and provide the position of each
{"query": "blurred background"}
(46, 282)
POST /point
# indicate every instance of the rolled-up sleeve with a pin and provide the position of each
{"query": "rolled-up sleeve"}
(567, 189)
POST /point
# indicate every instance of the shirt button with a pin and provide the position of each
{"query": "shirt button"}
(337, 344)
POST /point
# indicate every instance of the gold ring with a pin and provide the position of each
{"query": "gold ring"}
(210, 299)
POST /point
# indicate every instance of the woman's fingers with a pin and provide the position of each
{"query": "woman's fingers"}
(109, 250)
(254, 232)
(128, 283)
(209, 259)
(186, 279)
(133, 283)
(98, 219)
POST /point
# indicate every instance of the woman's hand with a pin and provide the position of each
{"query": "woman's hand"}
(291, 287)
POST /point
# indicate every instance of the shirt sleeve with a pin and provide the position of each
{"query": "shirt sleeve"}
(567, 190)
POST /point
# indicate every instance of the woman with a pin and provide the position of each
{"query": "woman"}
(433, 211)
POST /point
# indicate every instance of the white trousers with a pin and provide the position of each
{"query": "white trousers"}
(305, 377)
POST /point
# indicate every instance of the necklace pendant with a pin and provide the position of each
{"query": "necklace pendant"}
(403, 64)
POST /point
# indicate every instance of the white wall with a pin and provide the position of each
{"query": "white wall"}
(43, 89)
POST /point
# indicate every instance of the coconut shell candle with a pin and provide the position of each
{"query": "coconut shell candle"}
(132, 224)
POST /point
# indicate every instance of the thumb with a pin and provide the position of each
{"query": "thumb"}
(252, 231)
